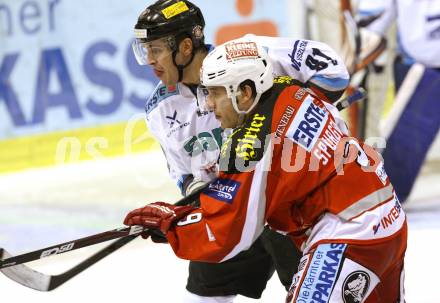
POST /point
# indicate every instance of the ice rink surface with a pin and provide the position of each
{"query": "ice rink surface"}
(42, 207)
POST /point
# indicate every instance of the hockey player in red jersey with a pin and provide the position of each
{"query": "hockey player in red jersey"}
(289, 164)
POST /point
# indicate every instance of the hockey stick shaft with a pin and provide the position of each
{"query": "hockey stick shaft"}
(101, 254)
(72, 245)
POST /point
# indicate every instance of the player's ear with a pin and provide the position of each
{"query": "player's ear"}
(186, 47)
(246, 98)
(246, 92)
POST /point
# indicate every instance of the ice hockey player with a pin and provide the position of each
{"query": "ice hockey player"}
(173, 45)
(287, 163)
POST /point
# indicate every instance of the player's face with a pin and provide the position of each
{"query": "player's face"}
(219, 102)
(159, 57)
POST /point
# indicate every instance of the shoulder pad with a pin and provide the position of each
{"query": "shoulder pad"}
(160, 93)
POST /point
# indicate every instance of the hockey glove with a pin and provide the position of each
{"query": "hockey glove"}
(157, 215)
(155, 235)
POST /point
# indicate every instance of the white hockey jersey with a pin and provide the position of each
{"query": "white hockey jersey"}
(418, 23)
(191, 140)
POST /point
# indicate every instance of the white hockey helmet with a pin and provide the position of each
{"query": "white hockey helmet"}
(234, 62)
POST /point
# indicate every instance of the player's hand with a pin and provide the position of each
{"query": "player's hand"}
(157, 215)
(155, 235)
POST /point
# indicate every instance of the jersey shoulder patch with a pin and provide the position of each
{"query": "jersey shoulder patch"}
(160, 93)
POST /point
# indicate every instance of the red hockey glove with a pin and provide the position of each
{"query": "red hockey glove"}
(158, 215)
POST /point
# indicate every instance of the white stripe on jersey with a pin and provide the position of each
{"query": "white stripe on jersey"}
(254, 223)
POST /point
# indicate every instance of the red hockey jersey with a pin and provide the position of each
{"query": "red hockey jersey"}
(292, 167)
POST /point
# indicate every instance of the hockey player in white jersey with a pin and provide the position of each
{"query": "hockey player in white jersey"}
(169, 38)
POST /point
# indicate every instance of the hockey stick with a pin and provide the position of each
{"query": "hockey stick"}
(358, 95)
(31, 278)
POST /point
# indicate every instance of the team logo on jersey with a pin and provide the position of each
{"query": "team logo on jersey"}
(173, 119)
(308, 124)
(223, 190)
(296, 57)
(355, 287)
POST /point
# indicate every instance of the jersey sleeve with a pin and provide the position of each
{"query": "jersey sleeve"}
(230, 218)
(176, 166)
(311, 62)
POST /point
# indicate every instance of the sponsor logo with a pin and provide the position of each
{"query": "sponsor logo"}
(300, 94)
(57, 250)
(283, 79)
(136, 229)
(140, 33)
(177, 128)
(297, 278)
(288, 112)
(239, 50)
(321, 275)
(355, 287)
(296, 57)
(246, 145)
(197, 32)
(204, 141)
(381, 173)
(226, 146)
(307, 125)
(223, 190)
(175, 9)
(173, 119)
(161, 93)
(390, 218)
(303, 263)
(329, 141)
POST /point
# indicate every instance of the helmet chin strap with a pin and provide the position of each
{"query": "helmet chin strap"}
(181, 67)
(244, 112)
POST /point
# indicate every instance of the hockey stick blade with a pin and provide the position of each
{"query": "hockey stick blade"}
(31, 278)
(25, 275)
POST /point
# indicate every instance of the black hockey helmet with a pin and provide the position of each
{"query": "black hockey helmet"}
(175, 18)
